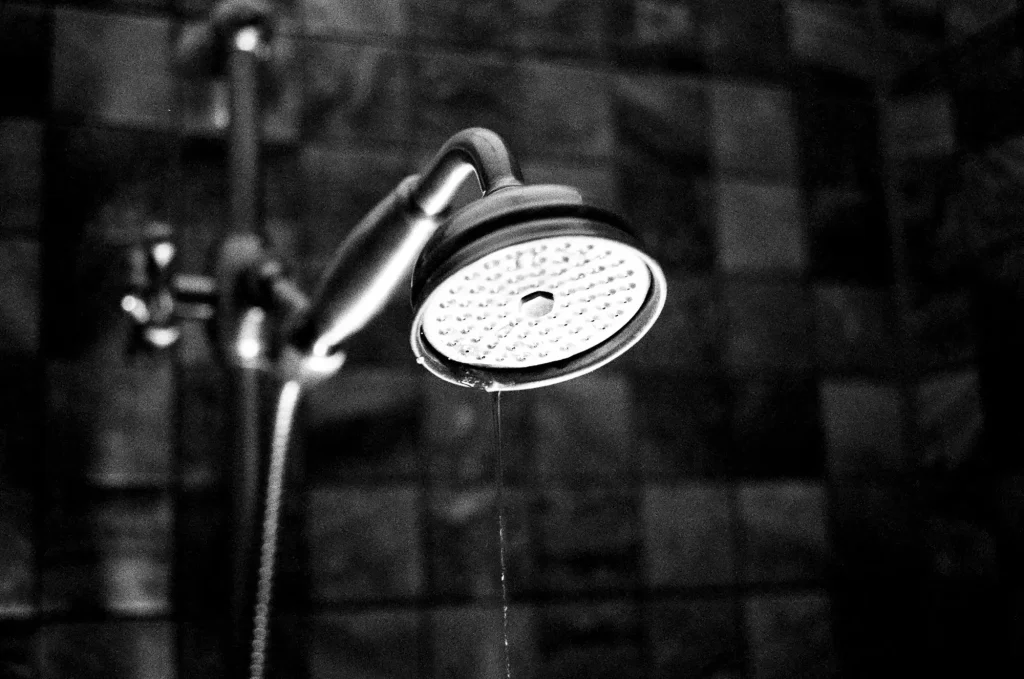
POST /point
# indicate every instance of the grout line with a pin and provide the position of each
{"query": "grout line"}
(40, 508)
(739, 582)
(175, 211)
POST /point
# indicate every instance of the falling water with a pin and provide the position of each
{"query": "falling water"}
(496, 411)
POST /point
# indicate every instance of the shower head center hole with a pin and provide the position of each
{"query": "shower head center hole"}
(536, 304)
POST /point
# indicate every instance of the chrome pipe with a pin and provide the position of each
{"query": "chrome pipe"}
(248, 45)
(378, 257)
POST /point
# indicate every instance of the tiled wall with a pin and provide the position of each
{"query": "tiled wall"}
(775, 483)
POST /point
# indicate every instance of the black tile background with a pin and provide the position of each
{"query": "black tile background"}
(806, 469)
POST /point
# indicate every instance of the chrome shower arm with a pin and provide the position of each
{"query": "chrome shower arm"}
(475, 150)
(377, 257)
(369, 267)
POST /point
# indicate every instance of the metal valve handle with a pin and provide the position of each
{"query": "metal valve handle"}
(159, 298)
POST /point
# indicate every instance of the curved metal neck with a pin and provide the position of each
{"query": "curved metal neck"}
(475, 150)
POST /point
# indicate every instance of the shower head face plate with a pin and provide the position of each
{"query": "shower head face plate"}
(530, 286)
(536, 303)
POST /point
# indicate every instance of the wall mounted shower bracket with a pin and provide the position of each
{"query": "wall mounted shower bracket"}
(159, 298)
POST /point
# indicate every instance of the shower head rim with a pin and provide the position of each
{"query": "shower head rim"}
(510, 207)
(513, 379)
(506, 236)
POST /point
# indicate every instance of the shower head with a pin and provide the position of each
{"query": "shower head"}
(529, 286)
(525, 287)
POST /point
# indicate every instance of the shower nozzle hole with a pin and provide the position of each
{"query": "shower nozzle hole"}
(537, 304)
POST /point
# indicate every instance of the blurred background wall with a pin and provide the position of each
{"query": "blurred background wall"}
(789, 477)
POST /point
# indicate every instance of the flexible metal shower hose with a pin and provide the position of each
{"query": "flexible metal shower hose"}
(283, 420)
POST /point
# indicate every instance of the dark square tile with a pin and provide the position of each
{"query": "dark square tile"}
(969, 618)
(364, 544)
(20, 267)
(587, 540)
(834, 37)
(966, 18)
(206, 103)
(202, 649)
(464, 22)
(949, 419)
(687, 334)
(984, 213)
(863, 423)
(663, 118)
(963, 20)
(917, 29)
(775, 428)
(664, 34)
(363, 425)
(115, 418)
(688, 536)
(283, 207)
(747, 37)
(838, 136)
(562, 27)
(202, 580)
(562, 111)
(589, 640)
(791, 636)
(360, 18)
(25, 38)
(923, 188)
(21, 176)
(584, 430)
(464, 543)
(922, 125)
(877, 629)
(769, 326)
(458, 434)
(683, 426)
(962, 551)
(17, 650)
(111, 552)
(357, 93)
(694, 638)
(17, 562)
(22, 420)
(876, 533)
(384, 643)
(452, 92)
(856, 330)
(1007, 494)
(760, 227)
(341, 187)
(784, 528)
(117, 178)
(964, 630)
(940, 323)
(111, 68)
(850, 239)
(468, 642)
(201, 212)
(109, 649)
(753, 130)
(673, 214)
